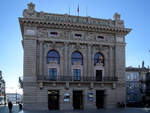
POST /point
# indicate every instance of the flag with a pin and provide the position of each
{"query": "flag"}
(78, 8)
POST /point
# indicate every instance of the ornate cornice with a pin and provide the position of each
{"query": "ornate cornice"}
(72, 26)
(60, 21)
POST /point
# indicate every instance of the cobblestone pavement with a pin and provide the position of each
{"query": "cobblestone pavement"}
(4, 109)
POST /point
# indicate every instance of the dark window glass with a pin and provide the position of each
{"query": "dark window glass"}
(100, 37)
(76, 74)
(78, 35)
(53, 56)
(53, 74)
(54, 33)
(76, 57)
(98, 58)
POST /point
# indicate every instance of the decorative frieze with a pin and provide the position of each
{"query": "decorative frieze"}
(119, 39)
(42, 33)
(31, 13)
(32, 18)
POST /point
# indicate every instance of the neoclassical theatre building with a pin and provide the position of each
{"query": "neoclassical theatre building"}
(72, 62)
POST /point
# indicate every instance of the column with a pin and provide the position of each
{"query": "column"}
(69, 60)
(89, 60)
(41, 59)
(110, 61)
(44, 61)
(65, 59)
(92, 60)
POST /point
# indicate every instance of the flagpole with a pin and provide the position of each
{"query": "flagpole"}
(69, 10)
(86, 12)
(78, 9)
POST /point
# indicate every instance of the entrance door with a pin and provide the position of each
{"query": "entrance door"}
(53, 100)
(99, 75)
(77, 100)
(100, 99)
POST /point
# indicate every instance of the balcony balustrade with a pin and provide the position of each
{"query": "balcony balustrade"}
(77, 78)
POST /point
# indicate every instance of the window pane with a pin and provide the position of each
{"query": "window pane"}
(53, 56)
(53, 73)
(76, 74)
(77, 57)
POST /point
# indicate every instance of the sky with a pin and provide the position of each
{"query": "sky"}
(135, 14)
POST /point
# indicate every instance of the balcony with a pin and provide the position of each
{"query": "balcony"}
(62, 78)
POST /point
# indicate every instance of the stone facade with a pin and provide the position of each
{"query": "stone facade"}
(43, 32)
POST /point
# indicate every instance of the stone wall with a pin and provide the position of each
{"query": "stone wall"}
(104, 36)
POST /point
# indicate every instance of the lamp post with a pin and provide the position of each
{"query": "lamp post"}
(16, 96)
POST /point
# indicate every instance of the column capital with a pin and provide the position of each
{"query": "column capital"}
(110, 46)
(89, 45)
(41, 41)
(66, 43)
(53, 44)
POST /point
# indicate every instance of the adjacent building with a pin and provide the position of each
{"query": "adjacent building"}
(136, 85)
(147, 90)
(2, 90)
(72, 62)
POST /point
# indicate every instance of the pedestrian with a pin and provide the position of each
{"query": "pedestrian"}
(10, 105)
(20, 106)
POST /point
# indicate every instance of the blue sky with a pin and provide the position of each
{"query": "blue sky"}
(135, 13)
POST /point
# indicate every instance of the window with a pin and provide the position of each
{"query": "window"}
(132, 76)
(76, 74)
(54, 33)
(53, 74)
(135, 76)
(128, 77)
(98, 58)
(53, 56)
(77, 57)
(78, 35)
(99, 75)
(100, 37)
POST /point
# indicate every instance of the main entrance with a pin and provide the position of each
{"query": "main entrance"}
(100, 99)
(77, 100)
(53, 100)
(99, 75)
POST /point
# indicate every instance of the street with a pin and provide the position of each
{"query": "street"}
(4, 109)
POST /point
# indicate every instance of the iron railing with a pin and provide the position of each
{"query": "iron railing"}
(77, 78)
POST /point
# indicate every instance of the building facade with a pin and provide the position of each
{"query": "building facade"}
(2, 90)
(136, 85)
(72, 62)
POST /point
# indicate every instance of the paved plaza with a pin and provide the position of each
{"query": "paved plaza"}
(4, 109)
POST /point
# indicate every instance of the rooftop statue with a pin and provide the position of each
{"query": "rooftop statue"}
(30, 12)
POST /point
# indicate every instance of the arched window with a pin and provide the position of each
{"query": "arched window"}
(77, 57)
(98, 58)
(53, 56)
